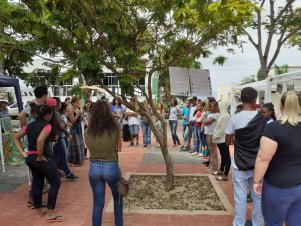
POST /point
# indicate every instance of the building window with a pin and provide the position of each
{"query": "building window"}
(141, 81)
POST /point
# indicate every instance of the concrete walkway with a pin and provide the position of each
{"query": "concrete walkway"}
(75, 198)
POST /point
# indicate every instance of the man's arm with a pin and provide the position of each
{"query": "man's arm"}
(208, 122)
(229, 138)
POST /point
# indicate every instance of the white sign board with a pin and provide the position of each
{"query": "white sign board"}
(190, 82)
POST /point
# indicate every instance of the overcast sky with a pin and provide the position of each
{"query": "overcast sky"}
(246, 63)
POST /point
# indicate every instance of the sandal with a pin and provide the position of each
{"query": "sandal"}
(57, 218)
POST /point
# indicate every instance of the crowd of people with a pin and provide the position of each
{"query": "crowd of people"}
(257, 137)
(61, 135)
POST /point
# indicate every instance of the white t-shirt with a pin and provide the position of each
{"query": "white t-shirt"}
(132, 120)
(209, 130)
(173, 113)
(191, 113)
(239, 121)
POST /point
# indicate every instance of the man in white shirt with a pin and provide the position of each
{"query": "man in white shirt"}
(247, 127)
(41, 94)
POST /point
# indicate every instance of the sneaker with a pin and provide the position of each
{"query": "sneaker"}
(220, 178)
(144, 145)
(218, 172)
(71, 177)
(194, 153)
(200, 155)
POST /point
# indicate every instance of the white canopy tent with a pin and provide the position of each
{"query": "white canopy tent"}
(274, 86)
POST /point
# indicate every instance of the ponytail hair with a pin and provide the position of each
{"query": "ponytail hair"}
(291, 102)
(270, 108)
(43, 110)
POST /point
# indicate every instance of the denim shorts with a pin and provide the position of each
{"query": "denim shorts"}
(134, 129)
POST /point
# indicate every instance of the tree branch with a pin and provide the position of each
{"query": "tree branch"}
(33, 53)
(283, 10)
(280, 42)
(271, 31)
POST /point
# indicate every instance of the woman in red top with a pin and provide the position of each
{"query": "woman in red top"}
(198, 128)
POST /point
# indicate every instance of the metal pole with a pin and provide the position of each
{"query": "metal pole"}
(189, 81)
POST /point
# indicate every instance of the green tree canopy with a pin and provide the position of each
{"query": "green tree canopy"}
(132, 38)
(280, 21)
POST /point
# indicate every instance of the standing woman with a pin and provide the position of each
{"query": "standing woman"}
(3, 109)
(76, 148)
(117, 110)
(102, 139)
(268, 112)
(173, 121)
(219, 138)
(278, 165)
(85, 121)
(118, 113)
(86, 112)
(40, 160)
(158, 124)
(209, 126)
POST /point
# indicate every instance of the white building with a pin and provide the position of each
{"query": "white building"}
(224, 93)
(63, 90)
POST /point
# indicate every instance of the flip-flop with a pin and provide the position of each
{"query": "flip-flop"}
(58, 218)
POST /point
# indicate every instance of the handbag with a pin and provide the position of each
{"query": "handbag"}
(122, 184)
(122, 187)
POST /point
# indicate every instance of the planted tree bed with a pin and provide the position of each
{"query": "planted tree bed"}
(191, 193)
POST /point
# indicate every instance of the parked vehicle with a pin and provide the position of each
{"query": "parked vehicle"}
(13, 110)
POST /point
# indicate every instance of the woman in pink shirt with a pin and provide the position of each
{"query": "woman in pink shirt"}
(40, 160)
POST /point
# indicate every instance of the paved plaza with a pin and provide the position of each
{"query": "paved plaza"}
(75, 198)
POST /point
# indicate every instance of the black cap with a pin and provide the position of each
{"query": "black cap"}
(194, 98)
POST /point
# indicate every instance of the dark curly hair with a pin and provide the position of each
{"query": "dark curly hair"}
(102, 119)
(270, 108)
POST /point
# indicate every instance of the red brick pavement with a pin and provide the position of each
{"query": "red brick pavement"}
(75, 200)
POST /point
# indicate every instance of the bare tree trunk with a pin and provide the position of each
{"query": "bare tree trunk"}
(162, 140)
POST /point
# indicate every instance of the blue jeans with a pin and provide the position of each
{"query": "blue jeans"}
(188, 135)
(281, 205)
(183, 129)
(101, 173)
(173, 124)
(197, 139)
(60, 153)
(204, 146)
(241, 180)
(146, 131)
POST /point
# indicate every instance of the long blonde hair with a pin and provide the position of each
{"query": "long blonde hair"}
(291, 102)
(161, 111)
